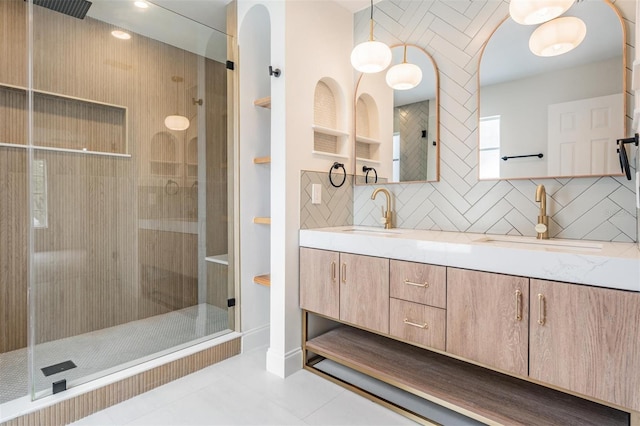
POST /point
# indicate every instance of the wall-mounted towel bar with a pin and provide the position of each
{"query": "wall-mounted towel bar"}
(540, 155)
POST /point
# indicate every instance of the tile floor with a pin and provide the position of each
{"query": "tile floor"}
(239, 391)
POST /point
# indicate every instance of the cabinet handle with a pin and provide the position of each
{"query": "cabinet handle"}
(344, 273)
(333, 271)
(424, 326)
(542, 318)
(518, 305)
(423, 285)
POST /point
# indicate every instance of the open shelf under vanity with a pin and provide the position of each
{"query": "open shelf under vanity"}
(430, 387)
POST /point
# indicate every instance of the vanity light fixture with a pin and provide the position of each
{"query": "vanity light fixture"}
(176, 122)
(558, 36)
(371, 56)
(533, 12)
(122, 35)
(404, 76)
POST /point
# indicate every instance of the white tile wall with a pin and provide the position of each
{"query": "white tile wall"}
(453, 32)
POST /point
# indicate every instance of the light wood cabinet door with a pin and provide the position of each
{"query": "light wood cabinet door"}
(587, 340)
(487, 319)
(319, 287)
(419, 283)
(416, 323)
(364, 291)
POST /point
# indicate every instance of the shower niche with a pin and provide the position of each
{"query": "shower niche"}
(63, 123)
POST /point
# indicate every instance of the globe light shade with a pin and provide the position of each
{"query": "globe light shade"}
(533, 12)
(176, 122)
(404, 76)
(559, 36)
(371, 57)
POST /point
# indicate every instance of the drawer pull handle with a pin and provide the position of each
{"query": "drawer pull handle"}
(518, 305)
(423, 285)
(344, 272)
(542, 317)
(333, 271)
(424, 326)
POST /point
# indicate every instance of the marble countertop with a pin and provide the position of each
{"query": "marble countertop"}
(602, 264)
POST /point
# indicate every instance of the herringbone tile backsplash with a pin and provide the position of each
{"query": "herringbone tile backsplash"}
(336, 208)
(453, 32)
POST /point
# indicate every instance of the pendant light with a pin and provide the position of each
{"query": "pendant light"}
(558, 36)
(371, 56)
(176, 122)
(533, 12)
(404, 76)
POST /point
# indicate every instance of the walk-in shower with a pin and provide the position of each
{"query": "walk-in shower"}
(114, 222)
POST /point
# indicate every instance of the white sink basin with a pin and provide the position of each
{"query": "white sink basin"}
(377, 231)
(546, 244)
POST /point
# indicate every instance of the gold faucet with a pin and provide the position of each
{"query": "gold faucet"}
(542, 227)
(386, 216)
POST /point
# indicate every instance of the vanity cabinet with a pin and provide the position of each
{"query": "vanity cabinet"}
(586, 340)
(319, 288)
(418, 301)
(487, 319)
(349, 287)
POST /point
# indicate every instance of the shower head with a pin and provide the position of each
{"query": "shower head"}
(76, 8)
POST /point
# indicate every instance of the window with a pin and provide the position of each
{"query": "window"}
(396, 157)
(489, 156)
(39, 186)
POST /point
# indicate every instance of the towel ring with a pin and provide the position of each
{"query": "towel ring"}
(171, 187)
(337, 165)
(366, 170)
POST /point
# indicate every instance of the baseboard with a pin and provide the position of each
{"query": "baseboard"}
(255, 338)
(283, 365)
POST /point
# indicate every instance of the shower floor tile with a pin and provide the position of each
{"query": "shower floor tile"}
(109, 349)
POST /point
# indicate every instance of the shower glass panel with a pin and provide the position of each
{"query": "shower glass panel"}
(113, 217)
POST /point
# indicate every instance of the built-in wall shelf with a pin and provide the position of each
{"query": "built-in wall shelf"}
(164, 168)
(264, 280)
(222, 259)
(368, 140)
(330, 154)
(263, 102)
(71, 151)
(328, 131)
(487, 396)
(262, 160)
(262, 220)
(367, 160)
(64, 123)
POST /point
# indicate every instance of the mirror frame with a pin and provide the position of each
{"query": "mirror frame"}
(625, 105)
(358, 176)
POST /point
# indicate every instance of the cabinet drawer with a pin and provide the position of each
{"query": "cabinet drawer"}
(420, 283)
(421, 324)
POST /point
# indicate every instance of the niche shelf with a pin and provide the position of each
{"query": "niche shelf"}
(328, 140)
(262, 220)
(264, 280)
(263, 102)
(90, 127)
(262, 160)
(367, 145)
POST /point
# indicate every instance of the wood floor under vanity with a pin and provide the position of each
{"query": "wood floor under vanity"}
(479, 393)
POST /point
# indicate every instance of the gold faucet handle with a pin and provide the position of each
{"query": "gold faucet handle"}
(541, 228)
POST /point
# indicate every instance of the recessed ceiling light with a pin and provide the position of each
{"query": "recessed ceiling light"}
(141, 4)
(121, 34)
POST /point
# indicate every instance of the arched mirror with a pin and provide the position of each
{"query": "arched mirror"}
(397, 131)
(556, 116)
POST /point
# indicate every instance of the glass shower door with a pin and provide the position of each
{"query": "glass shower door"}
(127, 190)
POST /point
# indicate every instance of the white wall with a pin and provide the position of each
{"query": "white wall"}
(254, 31)
(310, 40)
